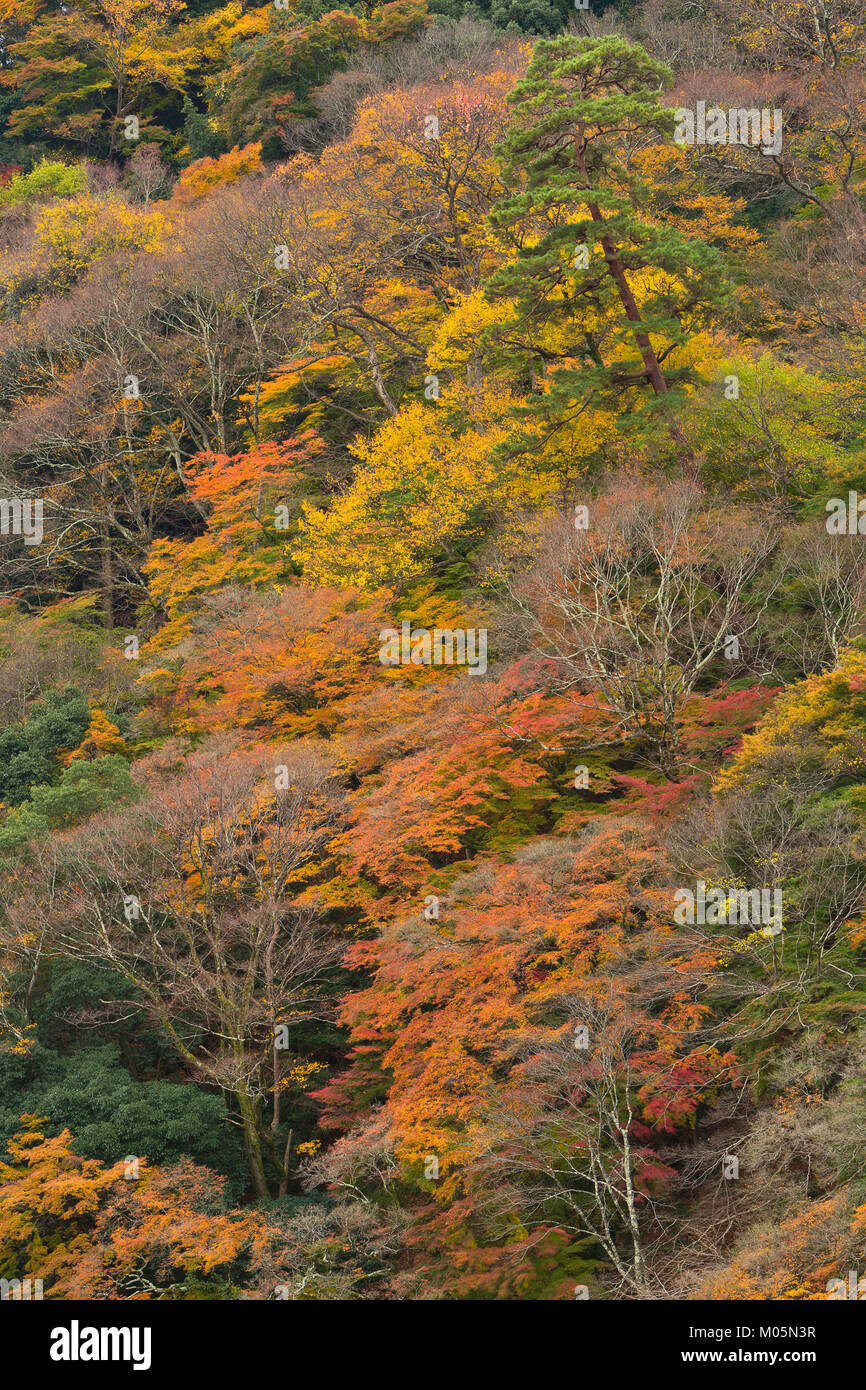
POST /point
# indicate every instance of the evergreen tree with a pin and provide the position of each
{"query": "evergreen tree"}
(603, 292)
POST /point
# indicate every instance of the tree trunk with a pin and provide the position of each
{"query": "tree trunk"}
(107, 578)
(654, 373)
(253, 1143)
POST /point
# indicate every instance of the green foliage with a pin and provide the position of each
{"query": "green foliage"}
(533, 17)
(49, 179)
(269, 82)
(790, 434)
(789, 816)
(113, 1116)
(203, 140)
(596, 280)
(69, 990)
(84, 788)
(28, 751)
(271, 77)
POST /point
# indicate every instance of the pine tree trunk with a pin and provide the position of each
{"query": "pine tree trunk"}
(654, 373)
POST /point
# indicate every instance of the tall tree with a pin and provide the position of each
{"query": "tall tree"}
(604, 293)
(196, 904)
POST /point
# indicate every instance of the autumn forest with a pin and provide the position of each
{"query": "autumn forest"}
(433, 650)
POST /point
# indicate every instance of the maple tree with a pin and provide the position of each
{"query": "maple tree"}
(196, 912)
(407, 320)
(79, 70)
(89, 1232)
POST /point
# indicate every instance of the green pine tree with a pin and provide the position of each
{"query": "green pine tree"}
(596, 280)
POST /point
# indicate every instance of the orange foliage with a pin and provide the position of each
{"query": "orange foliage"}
(88, 1231)
(203, 175)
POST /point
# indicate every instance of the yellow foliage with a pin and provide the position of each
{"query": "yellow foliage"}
(102, 737)
(75, 233)
(830, 702)
(678, 200)
(456, 337)
(795, 1259)
(423, 485)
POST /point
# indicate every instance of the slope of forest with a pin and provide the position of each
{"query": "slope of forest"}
(432, 649)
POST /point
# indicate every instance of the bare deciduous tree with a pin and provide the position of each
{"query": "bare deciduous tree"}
(561, 1146)
(192, 896)
(636, 608)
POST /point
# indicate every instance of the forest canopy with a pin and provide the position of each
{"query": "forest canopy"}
(432, 649)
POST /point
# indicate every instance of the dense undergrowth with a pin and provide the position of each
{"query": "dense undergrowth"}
(339, 959)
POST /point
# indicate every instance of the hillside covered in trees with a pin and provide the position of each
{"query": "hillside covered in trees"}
(432, 649)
